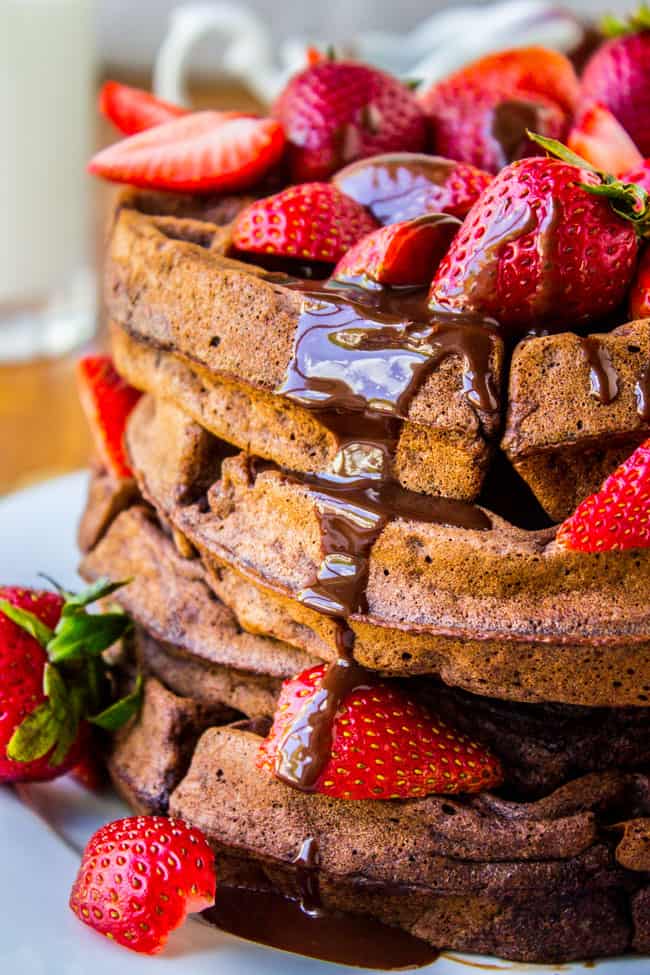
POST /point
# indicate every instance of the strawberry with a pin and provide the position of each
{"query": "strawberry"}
(139, 879)
(89, 772)
(488, 127)
(107, 402)
(602, 141)
(618, 75)
(133, 110)
(384, 745)
(639, 298)
(401, 254)
(548, 245)
(336, 111)
(197, 152)
(617, 516)
(402, 185)
(535, 70)
(480, 113)
(52, 679)
(312, 220)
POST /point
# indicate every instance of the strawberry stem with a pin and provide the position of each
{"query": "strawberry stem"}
(629, 201)
(635, 23)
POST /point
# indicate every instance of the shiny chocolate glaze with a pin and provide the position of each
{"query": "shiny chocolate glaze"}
(397, 186)
(360, 356)
(602, 374)
(642, 391)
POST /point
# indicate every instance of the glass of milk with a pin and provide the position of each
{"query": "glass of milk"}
(47, 290)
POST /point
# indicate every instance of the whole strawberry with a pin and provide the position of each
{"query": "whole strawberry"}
(384, 745)
(617, 516)
(52, 679)
(139, 879)
(618, 75)
(399, 186)
(549, 245)
(314, 221)
(481, 113)
(336, 111)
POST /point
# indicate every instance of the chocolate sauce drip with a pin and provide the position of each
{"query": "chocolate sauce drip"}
(642, 392)
(307, 745)
(602, 374)
(268, 918)
(511, 122)
(360, 356)
(307, 868)
(370, 350)
(396, 186)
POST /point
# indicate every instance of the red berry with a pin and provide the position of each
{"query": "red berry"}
(639, 301)
(198, 152)
(132, 110)
(618, 76)
(480, 113)
(400, 254)
(384, 745)
(312, 220)
(107, 401)
(602, 141)
(617, 516)
(140, 877)
(336, 111)
(403, 185)
(538, 251)
(22, 662)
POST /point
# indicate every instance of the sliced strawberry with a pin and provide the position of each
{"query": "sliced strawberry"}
(639, 299)
(133, 110)
(405, 253)
(617, 516)
(399, 186)
(384, 745)
(602, 141)
(312, 220)
(107, 402)
(139, 879)
(198, 152)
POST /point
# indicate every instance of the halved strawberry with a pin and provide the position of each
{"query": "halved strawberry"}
(384, 745)
(133, 110)
(139, 879)
(617, 516)
(312, 220)
(405, 253)
(198, 152)
(107, 402)
(600, 139)
(639, 299)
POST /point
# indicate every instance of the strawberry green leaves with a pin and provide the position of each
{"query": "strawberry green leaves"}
(76, 687)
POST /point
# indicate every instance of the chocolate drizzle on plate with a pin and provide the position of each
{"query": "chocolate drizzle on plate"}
(268, 918)
(360, 356)
(307, 868)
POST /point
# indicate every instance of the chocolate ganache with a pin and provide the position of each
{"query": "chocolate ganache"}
(360, 355)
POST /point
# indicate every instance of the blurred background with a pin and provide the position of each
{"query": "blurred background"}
(54, 54)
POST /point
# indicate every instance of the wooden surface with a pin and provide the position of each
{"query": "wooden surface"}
(42, 431)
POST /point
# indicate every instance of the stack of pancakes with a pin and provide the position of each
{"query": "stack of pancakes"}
(541, 653)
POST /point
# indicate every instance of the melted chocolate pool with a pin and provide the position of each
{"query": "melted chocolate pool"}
(268, 918)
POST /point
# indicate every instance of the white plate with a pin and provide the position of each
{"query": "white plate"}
(42, 828)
